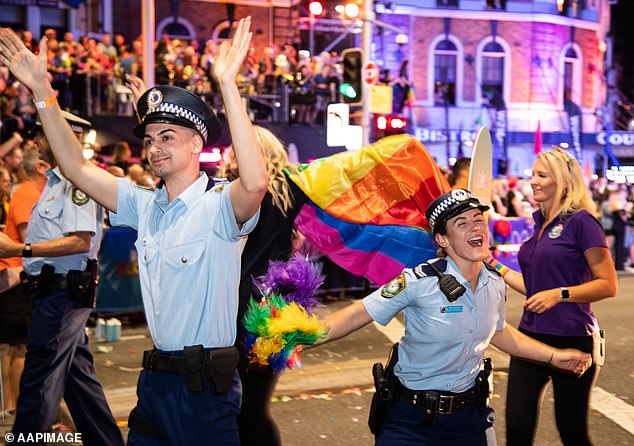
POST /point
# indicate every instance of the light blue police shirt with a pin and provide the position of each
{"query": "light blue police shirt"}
(444, 342)
(61, 210)
(189, 261)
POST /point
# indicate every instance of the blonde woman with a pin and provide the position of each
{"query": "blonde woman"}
(565, 266)
(270, 240)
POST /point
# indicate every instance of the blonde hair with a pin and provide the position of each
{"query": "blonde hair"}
(276, 161)
(569, 183)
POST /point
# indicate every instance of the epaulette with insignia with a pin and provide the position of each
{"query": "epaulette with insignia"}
(425, 270)
(492, 269)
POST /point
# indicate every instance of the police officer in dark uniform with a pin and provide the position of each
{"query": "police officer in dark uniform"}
(435, 391)
(60, 272)
(191, 234)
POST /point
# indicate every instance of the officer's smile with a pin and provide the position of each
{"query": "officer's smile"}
(476, 241)
(158, 159)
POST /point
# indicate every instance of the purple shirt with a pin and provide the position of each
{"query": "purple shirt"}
(557, 260)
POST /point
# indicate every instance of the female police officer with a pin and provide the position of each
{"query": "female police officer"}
(448, 325)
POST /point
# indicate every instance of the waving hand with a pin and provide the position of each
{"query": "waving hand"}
(25, 66)
(229, 56)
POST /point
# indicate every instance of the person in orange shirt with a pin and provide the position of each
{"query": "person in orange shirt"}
(15, 303)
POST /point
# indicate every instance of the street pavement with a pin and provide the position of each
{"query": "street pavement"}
(326, 401)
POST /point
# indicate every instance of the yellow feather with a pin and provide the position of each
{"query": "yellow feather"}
(265, 347)
(293, 318)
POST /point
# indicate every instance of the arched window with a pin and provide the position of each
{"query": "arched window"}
(445, 73)
(492, 71)
(571, 74)
(175, 29)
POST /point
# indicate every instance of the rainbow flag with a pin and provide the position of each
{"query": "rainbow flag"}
(368, 206)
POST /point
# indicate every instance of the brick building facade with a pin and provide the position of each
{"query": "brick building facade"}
(534, 55)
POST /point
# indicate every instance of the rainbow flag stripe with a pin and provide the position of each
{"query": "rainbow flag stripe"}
(377, 252)
(388, 183)
(367, 210)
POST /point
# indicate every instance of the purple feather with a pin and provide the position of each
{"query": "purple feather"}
(296, 280)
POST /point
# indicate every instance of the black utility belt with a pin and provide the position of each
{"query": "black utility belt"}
(215, 366)
(56, 280)
(435, 402)
(80, 285)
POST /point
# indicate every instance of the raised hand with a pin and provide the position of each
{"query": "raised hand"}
(137, 86)
(229, 56)
(25, 66)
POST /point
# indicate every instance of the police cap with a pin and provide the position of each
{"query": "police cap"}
(78, 125)
(450, 205)
(176, 105)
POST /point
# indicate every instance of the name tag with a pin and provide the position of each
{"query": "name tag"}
(451, 309)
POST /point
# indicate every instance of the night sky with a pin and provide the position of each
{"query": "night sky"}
(623, 31)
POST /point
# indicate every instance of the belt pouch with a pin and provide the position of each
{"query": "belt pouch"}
(222, 368)
(82, 285)
(430, 408)
(380, 400)
(192, 357)
(45, 281)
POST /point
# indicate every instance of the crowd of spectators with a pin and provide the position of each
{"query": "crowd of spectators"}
(89, 75)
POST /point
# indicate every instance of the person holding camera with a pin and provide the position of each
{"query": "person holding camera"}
(435, 389)
(59, 254)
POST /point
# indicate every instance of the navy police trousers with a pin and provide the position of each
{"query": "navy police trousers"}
(403, 426)
(174, 416)
(59, 364)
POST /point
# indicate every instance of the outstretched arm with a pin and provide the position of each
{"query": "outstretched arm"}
(31, 71)
(248, 190)
(515, 343)
(343, 322)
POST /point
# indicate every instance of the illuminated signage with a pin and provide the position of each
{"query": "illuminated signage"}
(616, 138)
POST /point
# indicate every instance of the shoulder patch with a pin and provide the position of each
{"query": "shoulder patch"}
(79, 197)
(492, 269)
(425, 270)
(393, 287)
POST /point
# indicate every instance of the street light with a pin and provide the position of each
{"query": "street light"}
(316, 9)
(351, 10)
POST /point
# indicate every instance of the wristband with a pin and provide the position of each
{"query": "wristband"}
(46, 102)
(503, 270)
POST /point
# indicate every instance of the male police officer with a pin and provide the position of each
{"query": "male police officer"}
(59, 260)
(454, 307)
(189, 243)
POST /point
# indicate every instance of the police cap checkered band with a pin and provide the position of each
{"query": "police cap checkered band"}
(449, 205)
(169, 104)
